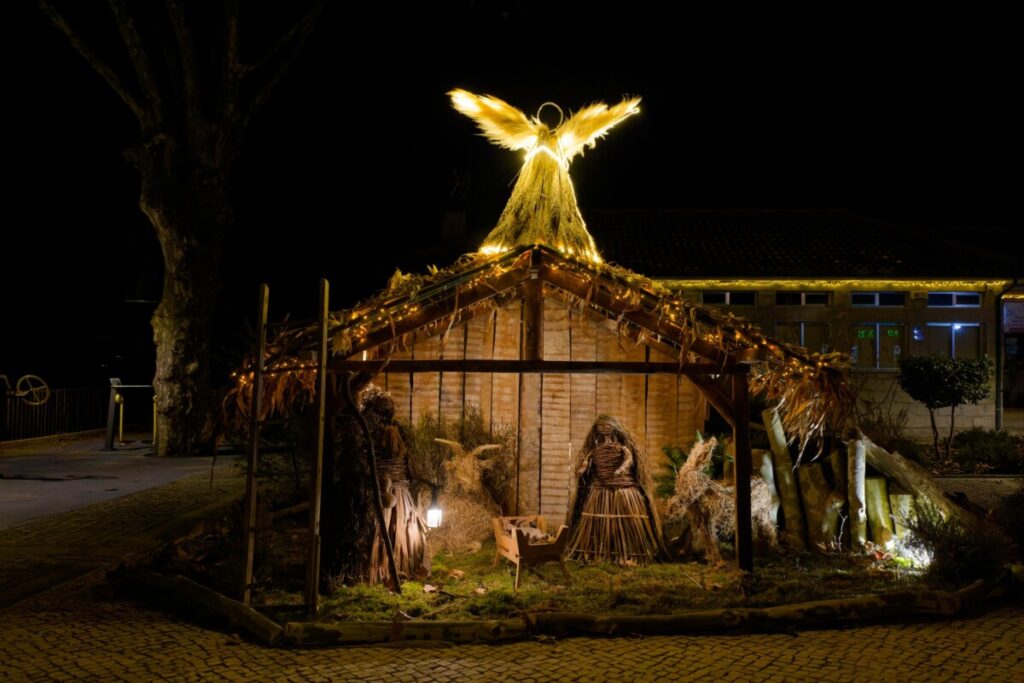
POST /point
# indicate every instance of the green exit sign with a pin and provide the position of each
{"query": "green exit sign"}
(892, 332)
(866, 333)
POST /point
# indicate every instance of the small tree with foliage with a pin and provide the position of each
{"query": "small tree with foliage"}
(939, 382)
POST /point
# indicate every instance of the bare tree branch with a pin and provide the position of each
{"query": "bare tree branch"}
(292, 41)
(140, 60)
(189, 68)
(285, 40)
(93, 59)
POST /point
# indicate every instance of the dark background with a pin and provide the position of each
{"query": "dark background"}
(907, 116)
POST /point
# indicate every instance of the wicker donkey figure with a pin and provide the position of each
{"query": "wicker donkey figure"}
(709, 505)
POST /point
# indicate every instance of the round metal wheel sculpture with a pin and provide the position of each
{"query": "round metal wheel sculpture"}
(32, 390)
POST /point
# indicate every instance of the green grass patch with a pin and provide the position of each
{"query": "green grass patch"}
(486, 592)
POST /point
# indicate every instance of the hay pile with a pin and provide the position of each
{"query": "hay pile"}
(710, 507)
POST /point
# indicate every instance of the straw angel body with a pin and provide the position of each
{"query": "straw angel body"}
(542, 208)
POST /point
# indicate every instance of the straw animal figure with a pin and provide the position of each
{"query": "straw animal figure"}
(612, 516)
(404, 523)
(710, 507)
(542, 208)
(468, 507)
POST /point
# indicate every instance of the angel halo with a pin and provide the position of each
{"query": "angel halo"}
(542, 208)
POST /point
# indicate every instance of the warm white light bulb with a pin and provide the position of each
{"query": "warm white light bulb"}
(433, 517)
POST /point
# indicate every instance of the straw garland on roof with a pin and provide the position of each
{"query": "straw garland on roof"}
(809, 388)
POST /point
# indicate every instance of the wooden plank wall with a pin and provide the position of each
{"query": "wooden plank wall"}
(556, 415)
(551, 413)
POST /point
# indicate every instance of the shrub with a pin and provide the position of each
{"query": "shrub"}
(940, 382)
(987, 450)
(959, 555)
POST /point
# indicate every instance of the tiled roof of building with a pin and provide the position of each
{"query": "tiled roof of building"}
(783, 244)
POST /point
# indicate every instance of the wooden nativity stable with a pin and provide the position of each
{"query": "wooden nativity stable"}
(545, 342)
(536, 332)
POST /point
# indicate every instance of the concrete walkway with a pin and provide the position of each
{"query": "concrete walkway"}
(49, 476)
(39, 554)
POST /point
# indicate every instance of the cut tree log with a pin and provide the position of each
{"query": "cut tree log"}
(902, 506)
(880, 524)
(915, 479)
(186, 592)
(856, 451)
(822, 505)
(783, 617)
(794, 532)
(306, 633)
(762, 460)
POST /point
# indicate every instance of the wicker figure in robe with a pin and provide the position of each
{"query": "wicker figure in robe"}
(405, 524)
(612, 516)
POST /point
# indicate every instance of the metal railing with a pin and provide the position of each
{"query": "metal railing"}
(67, 410)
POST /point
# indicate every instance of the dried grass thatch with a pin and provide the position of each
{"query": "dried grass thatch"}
(809, 388)
(709, 505)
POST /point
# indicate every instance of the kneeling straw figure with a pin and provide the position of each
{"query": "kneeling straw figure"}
(612, 515)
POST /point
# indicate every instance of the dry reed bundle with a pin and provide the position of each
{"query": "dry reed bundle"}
(710, 506)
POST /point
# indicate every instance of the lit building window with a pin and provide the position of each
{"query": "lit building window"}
(954, 299)
(877, 345)
(878, 298)
(729, 298)
(784, 298)
(953, 340)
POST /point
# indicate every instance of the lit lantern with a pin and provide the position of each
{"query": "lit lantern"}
(434, 511)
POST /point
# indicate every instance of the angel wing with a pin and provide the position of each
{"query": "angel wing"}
(590, 123)
(501, 123)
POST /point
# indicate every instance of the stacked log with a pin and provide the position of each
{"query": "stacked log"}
(794, 530)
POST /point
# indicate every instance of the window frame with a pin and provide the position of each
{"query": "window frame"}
(728, 296)
(878, 344)
(803, 297)
(954, 326)
(877, 299)
(803, 332)
(956, 303)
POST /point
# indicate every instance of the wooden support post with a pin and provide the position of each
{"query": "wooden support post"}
(317, 474)
(249, 521)
(744, 468)
(533, 313)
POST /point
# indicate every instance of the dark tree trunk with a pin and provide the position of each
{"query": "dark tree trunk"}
(935, 432)
(185, 198)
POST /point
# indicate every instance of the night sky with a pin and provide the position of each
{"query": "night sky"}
(909, 117)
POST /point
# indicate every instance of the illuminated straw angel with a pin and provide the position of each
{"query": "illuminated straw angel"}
(542, 208)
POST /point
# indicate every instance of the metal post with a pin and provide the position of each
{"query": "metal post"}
(744, 468)
(249, 523)
(313, 559)
(108, 439)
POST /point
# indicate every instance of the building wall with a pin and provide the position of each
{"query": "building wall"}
(878, 336)
(551, 413)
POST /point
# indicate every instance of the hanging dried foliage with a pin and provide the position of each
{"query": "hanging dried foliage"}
(809, 389)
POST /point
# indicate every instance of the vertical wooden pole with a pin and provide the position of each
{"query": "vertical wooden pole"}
(744, 468)
(533, 312)
(317, 474)
(249, 523)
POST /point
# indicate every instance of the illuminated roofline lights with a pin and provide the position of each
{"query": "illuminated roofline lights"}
(866, 283)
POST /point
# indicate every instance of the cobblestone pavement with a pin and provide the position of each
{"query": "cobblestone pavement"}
(65, 634)
(43, 553)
